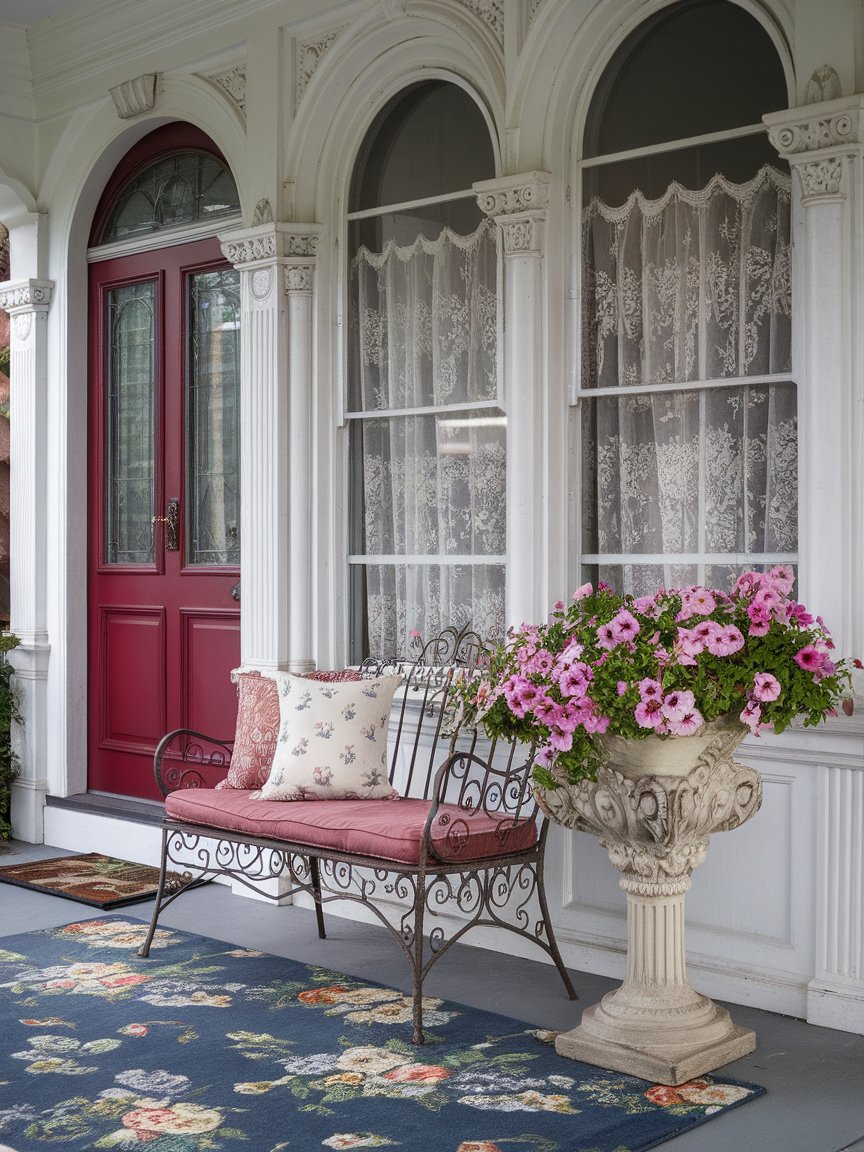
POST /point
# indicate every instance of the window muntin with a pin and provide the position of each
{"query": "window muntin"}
(686, 279)
(427, 467)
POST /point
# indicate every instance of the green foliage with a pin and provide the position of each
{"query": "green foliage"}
(8, 714)
(5, 359)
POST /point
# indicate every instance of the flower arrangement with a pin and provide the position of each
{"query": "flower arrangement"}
(662, 665)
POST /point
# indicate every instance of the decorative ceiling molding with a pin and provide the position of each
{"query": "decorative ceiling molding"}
(133, 97)
(232, 81)
(310, 53)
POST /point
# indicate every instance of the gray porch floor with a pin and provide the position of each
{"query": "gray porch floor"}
(814, 1076)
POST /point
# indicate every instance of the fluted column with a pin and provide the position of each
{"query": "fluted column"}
(299, 273)
(28, 302)
(824, 144)
(518, 204)
(276, 264)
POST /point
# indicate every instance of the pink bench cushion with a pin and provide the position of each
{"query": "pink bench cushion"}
(384, 829)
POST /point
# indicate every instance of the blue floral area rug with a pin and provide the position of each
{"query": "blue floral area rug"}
(205, 1047)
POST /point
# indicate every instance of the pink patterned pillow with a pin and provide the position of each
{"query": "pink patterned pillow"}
(258, 725)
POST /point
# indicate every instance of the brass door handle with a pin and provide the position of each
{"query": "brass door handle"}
(172, 536)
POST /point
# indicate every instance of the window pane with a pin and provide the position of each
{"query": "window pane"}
(424, 323)
(394, 602)
(672, 79)
(213, 425)
(130, 421)
(429, 140)
(430, 485)
(173, 191)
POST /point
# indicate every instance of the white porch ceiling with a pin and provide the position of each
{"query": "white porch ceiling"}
(25, 12)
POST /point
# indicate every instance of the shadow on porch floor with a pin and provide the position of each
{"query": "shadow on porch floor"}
(814, 1076)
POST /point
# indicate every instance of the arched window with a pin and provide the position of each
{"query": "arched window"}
(427, 435)
(689, 433)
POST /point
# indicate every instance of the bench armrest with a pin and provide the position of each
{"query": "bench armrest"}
(478, 787)
(185, 758)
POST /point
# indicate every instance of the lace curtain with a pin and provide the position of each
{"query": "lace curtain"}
(694, 286)
(428, 486)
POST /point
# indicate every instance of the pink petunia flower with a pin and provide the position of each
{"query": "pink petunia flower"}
(676, 705)
(583, 591)
(766, 687)
(809, 658)
(649, 714)
(726, 641)
(624, 626)
(606, 637)
(650, 689)
(621, 687)
(751, 716)
(782, 578)
(689, 723)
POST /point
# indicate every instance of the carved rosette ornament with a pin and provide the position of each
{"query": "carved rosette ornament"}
(653, 806)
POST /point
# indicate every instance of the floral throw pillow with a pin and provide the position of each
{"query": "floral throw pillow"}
(332, 742)
(258, 725)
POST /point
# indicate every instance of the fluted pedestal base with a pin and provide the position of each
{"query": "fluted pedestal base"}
(658, 1047)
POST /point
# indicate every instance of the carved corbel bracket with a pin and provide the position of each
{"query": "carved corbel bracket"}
(133, 97)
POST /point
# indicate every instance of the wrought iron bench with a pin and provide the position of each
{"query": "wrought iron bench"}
(466, 833)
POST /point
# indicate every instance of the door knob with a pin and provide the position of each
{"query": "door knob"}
(171, 522)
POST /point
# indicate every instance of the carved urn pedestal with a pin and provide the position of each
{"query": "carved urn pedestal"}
(653, 806)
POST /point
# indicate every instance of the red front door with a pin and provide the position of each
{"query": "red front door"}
(164, 617)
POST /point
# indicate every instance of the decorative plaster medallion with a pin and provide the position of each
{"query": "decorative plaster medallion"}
(238, 252)
(298, 278)
(310, 53)
(824, 84)
(821, 178)
(491, 12)
(22, 324)
(135, 96)
(233, 83)
(262, 282)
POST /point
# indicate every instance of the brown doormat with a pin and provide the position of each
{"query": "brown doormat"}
(101, 881)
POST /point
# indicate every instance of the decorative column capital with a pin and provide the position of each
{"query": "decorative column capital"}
(26, 296)
(518, 205)
(818, 140)
(259, 250)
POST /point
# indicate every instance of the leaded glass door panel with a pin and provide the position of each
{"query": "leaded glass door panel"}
(164, 616)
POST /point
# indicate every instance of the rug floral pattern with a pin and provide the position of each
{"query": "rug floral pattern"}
(206, 1047)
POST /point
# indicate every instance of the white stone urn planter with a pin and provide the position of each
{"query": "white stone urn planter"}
(653, 806)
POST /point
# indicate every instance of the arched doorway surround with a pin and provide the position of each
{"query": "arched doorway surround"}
(164, 501)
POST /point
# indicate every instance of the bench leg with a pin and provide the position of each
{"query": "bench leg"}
(144, 950)
(417, 960)
(315, 874)
(550, 935)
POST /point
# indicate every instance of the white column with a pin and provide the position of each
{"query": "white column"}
(27, 302)
(824, 143)
(299, 272)
(518, 205)
(276, 264)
